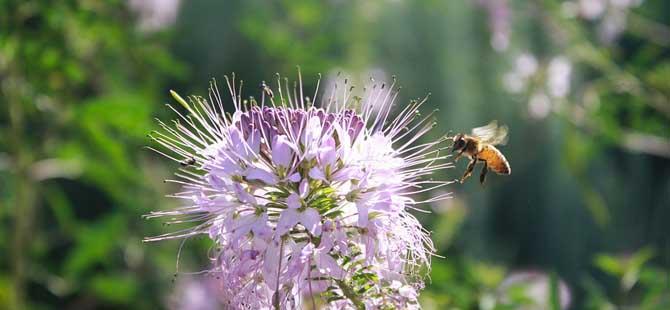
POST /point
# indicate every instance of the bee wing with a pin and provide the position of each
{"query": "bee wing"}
(492, 133)
(501, 136)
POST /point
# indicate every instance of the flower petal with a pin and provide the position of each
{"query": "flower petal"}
(346, 174)
(362, 215)
(311, 219)
(243, 195)
(271, 263)
(282, 151)
(317, 174)
(295, 178)
(287, 220)
(303, 189)
(259, 174)
(293, 201)
(254, 142)
(327, 152)
(312, 132)
(260, 227)
(328, 265)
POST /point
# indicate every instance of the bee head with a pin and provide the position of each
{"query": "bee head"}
(459, 142)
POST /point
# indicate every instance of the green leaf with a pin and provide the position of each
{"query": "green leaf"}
(95, 244)
(115, 288)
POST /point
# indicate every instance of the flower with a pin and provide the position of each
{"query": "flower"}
(548, 83)
(305, 202)
(155, 15)
(539, 105)
(610, 16)
(499, 22)
(558, 80)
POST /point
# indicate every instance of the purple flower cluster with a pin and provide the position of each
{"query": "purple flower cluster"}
(306, 205)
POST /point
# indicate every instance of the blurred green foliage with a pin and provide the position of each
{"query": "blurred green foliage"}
(79, 88)
(586, 208)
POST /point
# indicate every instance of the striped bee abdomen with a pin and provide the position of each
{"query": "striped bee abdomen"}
(495, 160)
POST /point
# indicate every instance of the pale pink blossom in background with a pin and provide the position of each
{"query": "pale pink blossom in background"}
(155, 14)
(558, 77)
(499, 16)
(539, 105)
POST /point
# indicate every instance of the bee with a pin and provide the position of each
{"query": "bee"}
(187, 162)
(479, 146)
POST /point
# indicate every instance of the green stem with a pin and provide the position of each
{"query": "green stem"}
(22, 203)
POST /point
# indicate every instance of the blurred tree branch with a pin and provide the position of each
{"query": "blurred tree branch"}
(645, 143)
(630, 139)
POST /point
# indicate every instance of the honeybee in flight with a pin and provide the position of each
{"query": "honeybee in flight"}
(479, 146)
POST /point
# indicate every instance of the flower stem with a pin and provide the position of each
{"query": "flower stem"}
(275, 301)
(311, 292)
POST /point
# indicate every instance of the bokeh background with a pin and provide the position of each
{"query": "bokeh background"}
(584, 85)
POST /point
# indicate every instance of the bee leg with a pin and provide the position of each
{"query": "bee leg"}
(482, 176)
(458, 156)
(468, 171)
